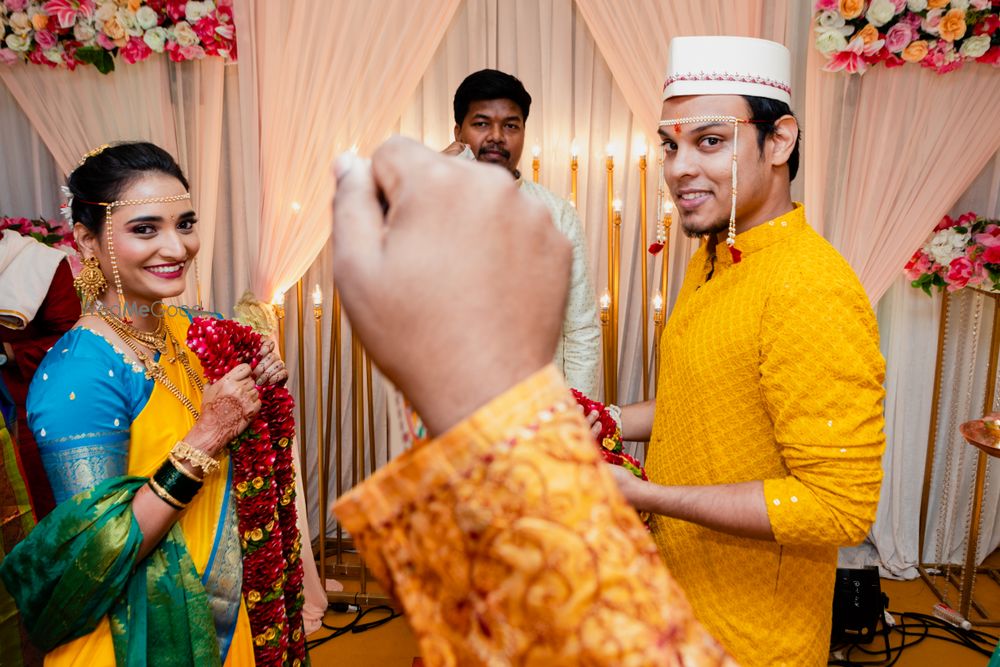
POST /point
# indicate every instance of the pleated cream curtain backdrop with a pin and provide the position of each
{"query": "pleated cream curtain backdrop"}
(29, 178)
(940, 132)
(908, 323)
(317, 78)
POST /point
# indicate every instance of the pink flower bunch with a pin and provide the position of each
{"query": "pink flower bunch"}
(962, 252)
(937, 34)
(264, 479)
(68, 33)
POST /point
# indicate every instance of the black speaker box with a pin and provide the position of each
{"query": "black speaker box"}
(857, 606)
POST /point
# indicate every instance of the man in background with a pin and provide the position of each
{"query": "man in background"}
(491, 109)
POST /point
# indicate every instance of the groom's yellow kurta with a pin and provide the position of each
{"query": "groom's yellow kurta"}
(770, 371)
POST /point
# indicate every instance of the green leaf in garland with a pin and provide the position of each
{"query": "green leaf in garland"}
(98, 57)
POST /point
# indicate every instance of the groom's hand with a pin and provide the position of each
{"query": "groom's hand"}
(458, 289)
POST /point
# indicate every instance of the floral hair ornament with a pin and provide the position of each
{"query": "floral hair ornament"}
(66, 209)
(723, 65)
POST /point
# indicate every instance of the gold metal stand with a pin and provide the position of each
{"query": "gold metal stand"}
(961, 578)
(642, 271)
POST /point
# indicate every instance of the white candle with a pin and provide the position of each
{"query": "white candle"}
(317, 296)
(605, 300)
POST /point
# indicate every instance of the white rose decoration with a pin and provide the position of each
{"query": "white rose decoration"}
(146, 17)
(195, 10)
(105, 11)
(185, 34)
(960, 4)
(946, 246)
(831, 42)
(20, 23)
(54, 55)
(973, 47)
(828, 20)
(84, 32)
(156, 39)
(18, 43)
(880, 12)
(916, 5)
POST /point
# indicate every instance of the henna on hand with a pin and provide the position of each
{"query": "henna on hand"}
(225, 417)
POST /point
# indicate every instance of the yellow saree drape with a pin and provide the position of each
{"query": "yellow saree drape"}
(162, 422)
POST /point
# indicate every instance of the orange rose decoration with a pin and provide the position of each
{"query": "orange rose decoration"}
(851, 9)
(868, 34)
(915, 51)
(953, 25)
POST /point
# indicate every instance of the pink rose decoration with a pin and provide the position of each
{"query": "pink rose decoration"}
(992, 255)
(176, 9)
(8, 57)
(16, 5)
(980, 4)
(946, 223)
(991, 57)
(899, 37)
(918, 265)
(136, 50)
(106, 42)
(959, 272)
(932, 21)
(45, 39)
(967, 219)
(828, 5)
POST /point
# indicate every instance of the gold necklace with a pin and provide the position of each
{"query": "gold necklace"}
(154, 340)
(180, 353)
(153, 370)
(156, 372)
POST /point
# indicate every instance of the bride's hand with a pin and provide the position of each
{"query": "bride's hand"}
(270, 369)
(227, 407)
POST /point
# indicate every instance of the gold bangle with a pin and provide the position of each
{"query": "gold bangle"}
(175, 462)
(185, 452)
(164, 496)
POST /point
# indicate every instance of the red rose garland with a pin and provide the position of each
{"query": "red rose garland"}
(264, 481)
(609, 442)
(610, 438)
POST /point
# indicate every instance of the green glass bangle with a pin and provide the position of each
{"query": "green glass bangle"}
(176, 483)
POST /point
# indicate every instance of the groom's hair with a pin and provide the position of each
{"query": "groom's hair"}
(490, 84)
(765, 112)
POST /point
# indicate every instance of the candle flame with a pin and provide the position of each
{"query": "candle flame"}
(657, 302)
(640, 147)
(317, 296)
(279, 298)
(668, 207)
(573, 149)
(616, 205)
(605, 301)
(536, 150)
(610, 149)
